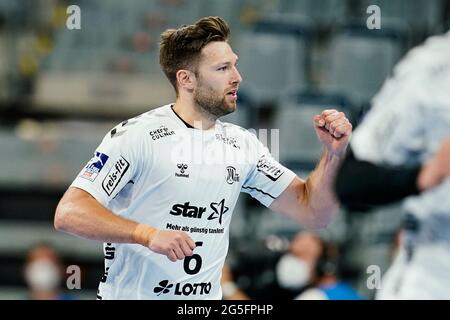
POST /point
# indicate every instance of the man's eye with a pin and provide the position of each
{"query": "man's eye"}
(222, 69)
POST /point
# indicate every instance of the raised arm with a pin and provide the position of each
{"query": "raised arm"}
(80, 214)
(312, 202)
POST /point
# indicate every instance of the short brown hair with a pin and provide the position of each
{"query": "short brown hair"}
(181, 48)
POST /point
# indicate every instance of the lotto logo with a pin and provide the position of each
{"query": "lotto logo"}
(186, 289)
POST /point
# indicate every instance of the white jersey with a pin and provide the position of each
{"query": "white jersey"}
(155, 170)
(409, 119)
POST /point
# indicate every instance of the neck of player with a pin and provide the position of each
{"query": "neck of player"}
(193, 114)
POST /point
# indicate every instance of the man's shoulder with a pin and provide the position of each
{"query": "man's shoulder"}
(155, 116)
(154, 119)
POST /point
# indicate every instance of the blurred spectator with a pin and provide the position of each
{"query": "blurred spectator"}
(123, 65)
(142, 42)
(154, 19)
(230, 289)
(44, 273)
(310, 267)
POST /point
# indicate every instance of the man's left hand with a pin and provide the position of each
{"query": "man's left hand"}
(334, 131)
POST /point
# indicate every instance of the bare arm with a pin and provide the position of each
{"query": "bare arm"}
(78, 213)
(313, 202)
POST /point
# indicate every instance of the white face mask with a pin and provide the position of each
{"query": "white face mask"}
(42, 276)
(292, 272)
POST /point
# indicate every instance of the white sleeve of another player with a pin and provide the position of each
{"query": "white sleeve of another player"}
(391, 131)
(113, 165)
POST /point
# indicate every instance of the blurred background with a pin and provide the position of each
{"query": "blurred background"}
(61, 90)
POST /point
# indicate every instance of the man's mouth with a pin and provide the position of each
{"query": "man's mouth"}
(232, 93)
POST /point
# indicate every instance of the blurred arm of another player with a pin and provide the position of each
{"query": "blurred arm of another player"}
(312, 202)
(362, 183)
(80, 214)
(437, 169)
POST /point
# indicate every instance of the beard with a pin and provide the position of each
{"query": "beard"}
(212, 104)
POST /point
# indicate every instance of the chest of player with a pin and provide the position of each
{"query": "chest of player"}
(208, 163)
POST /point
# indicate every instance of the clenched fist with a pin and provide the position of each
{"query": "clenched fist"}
(175, 245)
(334, 130)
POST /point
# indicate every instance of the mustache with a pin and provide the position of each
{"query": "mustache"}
(232, 89)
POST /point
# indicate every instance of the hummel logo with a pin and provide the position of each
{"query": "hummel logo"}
(163, 288)
(182, 167)
(219, 210)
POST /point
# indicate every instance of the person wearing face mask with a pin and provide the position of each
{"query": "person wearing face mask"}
(43, 272)
(230, 289)
(309, 268)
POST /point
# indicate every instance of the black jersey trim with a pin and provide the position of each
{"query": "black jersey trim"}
(259, 190)
(185, 123)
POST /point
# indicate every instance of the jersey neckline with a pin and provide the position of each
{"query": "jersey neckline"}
(186, 125)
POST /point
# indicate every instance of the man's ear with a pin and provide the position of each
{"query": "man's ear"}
(186, 80)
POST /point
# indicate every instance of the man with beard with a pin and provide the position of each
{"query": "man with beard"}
(164, 185)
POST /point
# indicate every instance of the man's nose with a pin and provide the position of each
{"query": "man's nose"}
(236, 79)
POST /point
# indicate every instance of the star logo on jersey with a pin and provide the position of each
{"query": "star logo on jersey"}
(219, 210)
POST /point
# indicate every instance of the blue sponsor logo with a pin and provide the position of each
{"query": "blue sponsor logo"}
(94, 166)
